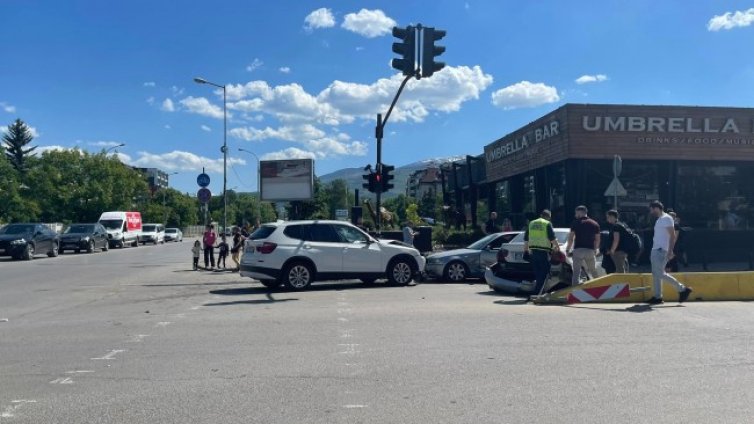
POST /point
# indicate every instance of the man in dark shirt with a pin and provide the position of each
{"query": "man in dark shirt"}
(583, 244)
(490, 227)
(617, 242)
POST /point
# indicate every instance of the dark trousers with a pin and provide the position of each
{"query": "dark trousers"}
(209, 256)
(221, 259)
(540, 260)
(196, 262)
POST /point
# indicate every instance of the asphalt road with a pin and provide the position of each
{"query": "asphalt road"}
(133, 336)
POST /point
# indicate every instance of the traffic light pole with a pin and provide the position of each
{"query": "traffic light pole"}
(378, 133)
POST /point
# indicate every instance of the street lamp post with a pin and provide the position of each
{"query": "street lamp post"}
(259, 190)
(224, 149)
(113, 148)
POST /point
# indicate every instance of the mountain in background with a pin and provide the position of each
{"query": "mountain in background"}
(352, 176)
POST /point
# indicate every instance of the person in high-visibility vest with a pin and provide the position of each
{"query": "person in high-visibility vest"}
(539, 242)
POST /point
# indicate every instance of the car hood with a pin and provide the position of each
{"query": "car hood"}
(11, 237)
(453, 253)
(397, 244)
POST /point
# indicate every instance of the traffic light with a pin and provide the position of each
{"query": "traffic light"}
(430, 51)
(387, 175)
(372, 183)
(406, 48)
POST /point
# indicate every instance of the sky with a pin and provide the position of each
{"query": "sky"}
(306, 79)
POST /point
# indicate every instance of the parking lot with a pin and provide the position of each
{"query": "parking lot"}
(134, 336)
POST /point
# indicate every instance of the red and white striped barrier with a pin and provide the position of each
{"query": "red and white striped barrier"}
(592, 294)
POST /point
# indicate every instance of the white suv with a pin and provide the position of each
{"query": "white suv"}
(296, 253)
(152, 233)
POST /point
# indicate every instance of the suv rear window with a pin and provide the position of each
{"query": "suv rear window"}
(262, 232)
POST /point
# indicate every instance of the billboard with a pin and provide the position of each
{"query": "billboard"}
(286, 180)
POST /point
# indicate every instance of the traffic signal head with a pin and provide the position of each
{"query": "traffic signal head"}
(430, 51)
(372, 183)
(387, 176)
(406, 48)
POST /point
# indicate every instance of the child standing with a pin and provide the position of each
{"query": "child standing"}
(197, 251)
(223, 252)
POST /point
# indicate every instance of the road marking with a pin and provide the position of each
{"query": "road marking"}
(138, 338)
(110, 355)
(163, 324)
(346, 334)
(344, 310)
(79, 371)
(9, 410)
(341, 319)
(193, 308)
(354, 406)
(66, 380)
(350, 348)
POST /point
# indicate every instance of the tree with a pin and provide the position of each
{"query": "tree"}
(13, 206)
(411, 214)
(315, 209)
(16, 138)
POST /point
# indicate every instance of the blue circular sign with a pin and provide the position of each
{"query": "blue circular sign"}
(204, 195)
(202, 180)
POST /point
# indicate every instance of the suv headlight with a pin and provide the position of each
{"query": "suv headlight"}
(19, 241)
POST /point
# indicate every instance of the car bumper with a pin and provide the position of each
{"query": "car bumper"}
(435, 270)
(259, 273)
(12, 250)
(75, 245)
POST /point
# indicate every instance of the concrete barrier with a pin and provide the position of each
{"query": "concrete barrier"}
(709, 286)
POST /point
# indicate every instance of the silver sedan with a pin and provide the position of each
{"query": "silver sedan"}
(471, 262)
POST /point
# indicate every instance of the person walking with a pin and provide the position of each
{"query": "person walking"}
(583, 244)
(663, 244)
(618, 239)
(222, 252)
(491, 227)
(539, 242)
(408, 234)
(209, 239)
(196, 251)
(235, 250)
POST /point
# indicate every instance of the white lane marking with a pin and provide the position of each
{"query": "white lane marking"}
(193, 308)
(62, 380)
(349, 348)
(79, 371)
(163, 324)
(354, 406)
(110, 355)
(9, 410)
(346, 334)
(344, 310)
(138, 338)
(341, 319)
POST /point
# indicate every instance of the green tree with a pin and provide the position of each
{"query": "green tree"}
(13, 206)
(16, 139)
(397, 205)
(314, 209)
(412, 214)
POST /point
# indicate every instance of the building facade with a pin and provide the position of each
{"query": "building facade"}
(424, 182)
(156, 178)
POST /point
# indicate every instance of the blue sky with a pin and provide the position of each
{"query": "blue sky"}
(307, 78)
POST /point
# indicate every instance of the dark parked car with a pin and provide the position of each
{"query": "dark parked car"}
(88, 237)
(24, 241)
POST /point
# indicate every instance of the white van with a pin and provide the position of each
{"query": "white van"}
(152, 233)
(123, 228)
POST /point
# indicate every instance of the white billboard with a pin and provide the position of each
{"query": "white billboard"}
(286, 180)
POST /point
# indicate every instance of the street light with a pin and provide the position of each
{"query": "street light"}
(224, 148)
(259, 190)
(113, 148)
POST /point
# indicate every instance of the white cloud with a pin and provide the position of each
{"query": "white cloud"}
(289, 153)
(524, 94)
(300, 133)
(584, 79)
(7, 107)
(202, 106)
(53, 148)
(206, 128)
(168, 106)
(320, 18)
(149, 84)
(104, 143)
(285, 70)
(254, 65)
(288, 103)
(32, 130)
(178, 160)
(150, 100)
(369, 23)
(730, 20)
(177, 91)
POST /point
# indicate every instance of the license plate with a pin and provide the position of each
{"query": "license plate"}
(518, 256)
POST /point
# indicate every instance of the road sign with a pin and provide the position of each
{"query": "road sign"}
(616, 189)
(591, 294)
(204, 194)
(341, 214)
(202, 179)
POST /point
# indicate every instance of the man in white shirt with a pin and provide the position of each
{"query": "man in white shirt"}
(408, 234)
(662, 251)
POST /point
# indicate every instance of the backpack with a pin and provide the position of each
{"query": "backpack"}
(634, 243)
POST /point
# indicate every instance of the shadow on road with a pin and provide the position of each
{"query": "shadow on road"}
(216, 283)
(638, 308)
(268, 300)
(313, 288)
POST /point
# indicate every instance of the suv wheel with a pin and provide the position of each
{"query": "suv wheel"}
(456, 271)
(400, 271)
(54, 251)
(298, 276)
(28, 252)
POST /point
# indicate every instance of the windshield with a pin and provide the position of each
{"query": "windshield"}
(560, 234)
(79, 229)
(17, 229)
(481, 243)
(149, 228)
(112, 224)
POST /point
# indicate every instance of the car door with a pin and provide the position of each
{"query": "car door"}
(99, 236)
(488, 256)
(359, 255)
(42, 239)
(324, 248)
